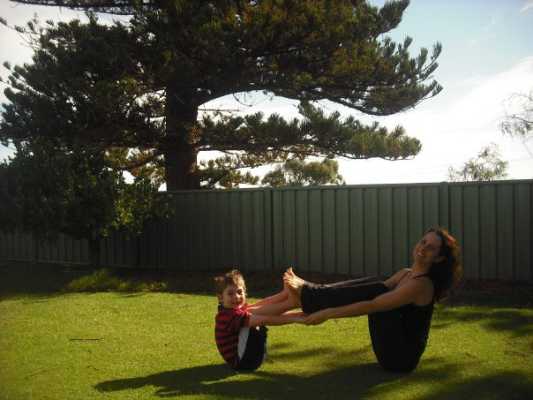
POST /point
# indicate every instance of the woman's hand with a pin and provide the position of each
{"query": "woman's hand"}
(318, 317)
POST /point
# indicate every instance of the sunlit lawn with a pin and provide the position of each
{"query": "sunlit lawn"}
(119, 345)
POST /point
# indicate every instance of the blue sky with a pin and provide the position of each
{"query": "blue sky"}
(487, 57)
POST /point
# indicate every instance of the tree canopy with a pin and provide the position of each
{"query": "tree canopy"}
(139, 85)
(487, 166)
(295, 172)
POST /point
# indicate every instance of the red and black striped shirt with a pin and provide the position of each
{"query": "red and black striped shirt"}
(228, 323)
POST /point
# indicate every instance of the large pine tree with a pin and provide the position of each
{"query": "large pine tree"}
(139, 85)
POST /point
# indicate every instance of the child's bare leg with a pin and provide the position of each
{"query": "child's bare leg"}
(276, 298)
(275, 308)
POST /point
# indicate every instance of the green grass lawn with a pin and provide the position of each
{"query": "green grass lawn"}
(141, 345)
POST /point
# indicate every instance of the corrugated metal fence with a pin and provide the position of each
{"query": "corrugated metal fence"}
(356, 230)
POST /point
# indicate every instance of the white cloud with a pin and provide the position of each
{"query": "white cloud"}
(13, 47)
(484, 104)
(451, 135)
(528, 4)
(451, 132)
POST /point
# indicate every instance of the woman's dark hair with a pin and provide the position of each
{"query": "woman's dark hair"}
(446, 273)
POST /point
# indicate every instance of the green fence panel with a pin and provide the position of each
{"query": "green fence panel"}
(431, 206)
(386, 232)
(506, 240)
(400, 223)
(302, 231)
(488, 233)
(247, 226)
(471, 230)
(371, 232)
(316, 261)
(357, 230)
(288, 221)
(329, 236)
(523, 239)
(342, 231)
(415, 203)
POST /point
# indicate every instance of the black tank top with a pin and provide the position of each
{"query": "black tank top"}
(417, 320)
(416, 323)
(399, 336)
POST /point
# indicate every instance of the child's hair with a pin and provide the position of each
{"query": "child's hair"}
(233, 277)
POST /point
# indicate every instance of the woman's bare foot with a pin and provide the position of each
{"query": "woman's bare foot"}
(293, 297)
(289, 275)
(294, 284)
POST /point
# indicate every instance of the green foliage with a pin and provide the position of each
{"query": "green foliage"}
(299, 173)
(274, 140)
(103, 280)
(74, 190)
(487, 166)
(139, 85)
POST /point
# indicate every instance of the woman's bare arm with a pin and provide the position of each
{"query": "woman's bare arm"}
(405, 294)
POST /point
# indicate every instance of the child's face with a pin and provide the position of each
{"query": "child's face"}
(233, 296)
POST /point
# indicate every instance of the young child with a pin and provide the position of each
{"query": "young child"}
(240, 331)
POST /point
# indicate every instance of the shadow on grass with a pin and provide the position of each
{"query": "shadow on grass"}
(331, 351)
(517, 322)
(505, 385)
(353, 381)
(213, 380)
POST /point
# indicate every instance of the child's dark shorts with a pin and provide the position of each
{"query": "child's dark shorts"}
(252, 348)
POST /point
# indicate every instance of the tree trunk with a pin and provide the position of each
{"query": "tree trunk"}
(179, 148)
(180, 168)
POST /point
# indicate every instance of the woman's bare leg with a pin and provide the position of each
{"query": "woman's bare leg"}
(277, 308)
(312, 297)
(277, 304)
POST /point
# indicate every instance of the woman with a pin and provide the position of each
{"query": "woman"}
(399, 309)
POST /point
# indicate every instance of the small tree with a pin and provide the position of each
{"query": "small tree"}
(296, 172)
(75, 191)
(487, 166)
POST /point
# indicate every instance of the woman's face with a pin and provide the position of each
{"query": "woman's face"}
(427, 250)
